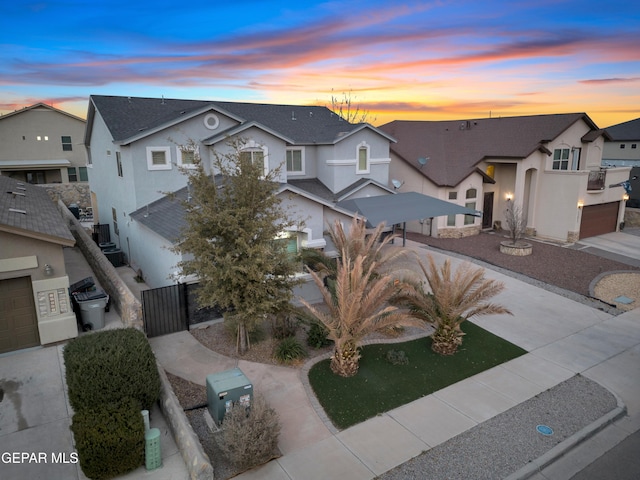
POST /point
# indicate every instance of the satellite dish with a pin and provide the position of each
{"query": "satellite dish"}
(423, 161)
(396, 183)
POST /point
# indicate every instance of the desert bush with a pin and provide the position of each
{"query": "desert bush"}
(397, 357)
(284, 325)
(289, 350)
(107, 366)
(109, 438)
(317, 336)
(250, 435)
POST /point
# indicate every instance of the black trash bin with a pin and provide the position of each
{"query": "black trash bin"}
(75, 210)
(84, 285)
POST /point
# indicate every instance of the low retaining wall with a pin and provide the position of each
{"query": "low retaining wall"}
(195, 459)
(125, 302)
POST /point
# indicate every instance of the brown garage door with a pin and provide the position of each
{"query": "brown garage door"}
(18, 321)
(599, 219)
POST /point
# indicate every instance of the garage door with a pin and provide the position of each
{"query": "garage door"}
(599, 219)
(18, 321)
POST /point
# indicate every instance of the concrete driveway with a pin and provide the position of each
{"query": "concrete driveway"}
(619, 246)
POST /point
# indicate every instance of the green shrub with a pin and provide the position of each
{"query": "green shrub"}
(250, 436)
(289, 350)
(105, 367)
(109, 439)
(397, 357)
(317, 336)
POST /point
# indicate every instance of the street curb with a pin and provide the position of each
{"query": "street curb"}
(570, 443)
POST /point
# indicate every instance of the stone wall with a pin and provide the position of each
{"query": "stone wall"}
(195, 459)
(127, 305)
(78, 193)
(632, 217)
(459, 232)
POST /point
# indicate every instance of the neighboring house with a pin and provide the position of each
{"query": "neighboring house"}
(35, 308)
(624, 147)
(549, 165)
(42, 145)
(135, 146)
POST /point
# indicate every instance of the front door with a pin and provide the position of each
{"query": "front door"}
(487, 210)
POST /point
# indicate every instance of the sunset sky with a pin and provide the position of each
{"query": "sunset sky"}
(429, 60)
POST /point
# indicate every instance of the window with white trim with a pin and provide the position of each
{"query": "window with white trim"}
(451, 219)
(295, 161)
(158, 158)
(67, 146)
(256, 156)
(362, 164)
(561, 159)
(471, 193)
(186, 156)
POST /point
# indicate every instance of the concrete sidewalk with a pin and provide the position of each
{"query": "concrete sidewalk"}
(563, 337)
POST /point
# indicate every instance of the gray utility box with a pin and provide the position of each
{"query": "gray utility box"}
(225, 389)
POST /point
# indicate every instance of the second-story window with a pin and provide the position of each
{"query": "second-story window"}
(186, 156)
(119, 164)
(158, 158)
(295, 163)
(66, 144)
(560, 159)
(362, 165)
(255, 156)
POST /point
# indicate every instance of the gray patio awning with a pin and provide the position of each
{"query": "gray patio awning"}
(403, 207)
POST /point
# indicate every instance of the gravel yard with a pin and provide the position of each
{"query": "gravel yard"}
(551, 264)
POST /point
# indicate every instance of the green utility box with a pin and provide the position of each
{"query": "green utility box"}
(225, 389)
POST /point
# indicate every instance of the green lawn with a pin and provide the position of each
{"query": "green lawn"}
(380, 386)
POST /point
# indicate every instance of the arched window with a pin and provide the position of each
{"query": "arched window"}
(472, 193)
(362, 163)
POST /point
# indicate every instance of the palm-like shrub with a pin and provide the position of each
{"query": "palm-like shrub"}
(358, 307)
(453, 298)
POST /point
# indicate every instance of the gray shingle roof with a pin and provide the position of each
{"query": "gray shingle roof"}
(41, 220)
(454, 148)
(625, 131)
(165, 216)
(129, 116)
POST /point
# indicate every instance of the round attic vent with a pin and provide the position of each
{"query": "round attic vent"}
(211, 121)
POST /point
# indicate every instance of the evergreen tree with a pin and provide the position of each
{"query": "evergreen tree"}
(234, 240)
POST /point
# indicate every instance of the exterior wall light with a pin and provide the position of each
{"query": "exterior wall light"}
(48, 270)
(509, 196)
(625, 197)
(580, 204)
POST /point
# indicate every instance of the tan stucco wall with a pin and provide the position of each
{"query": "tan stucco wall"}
(13, 246)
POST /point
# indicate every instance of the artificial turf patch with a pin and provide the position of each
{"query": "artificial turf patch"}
(380, 386)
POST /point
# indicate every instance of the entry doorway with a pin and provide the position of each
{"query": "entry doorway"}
(487, 210)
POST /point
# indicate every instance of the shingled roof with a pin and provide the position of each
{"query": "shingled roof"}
(27, 210)
(625, 131)
(454, 148)
(128, 117)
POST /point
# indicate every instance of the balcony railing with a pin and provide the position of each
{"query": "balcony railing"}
(596, 180)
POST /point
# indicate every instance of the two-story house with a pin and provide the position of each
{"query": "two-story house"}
(135, 146)
(549, 165)
(42, 145)
(623, 149)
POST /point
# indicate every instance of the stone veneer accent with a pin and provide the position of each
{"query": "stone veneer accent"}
(573, 237)
(632, 217)
(78, 193)
(518, 250)
(467, 231)
(193, 454)
(125, 302)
